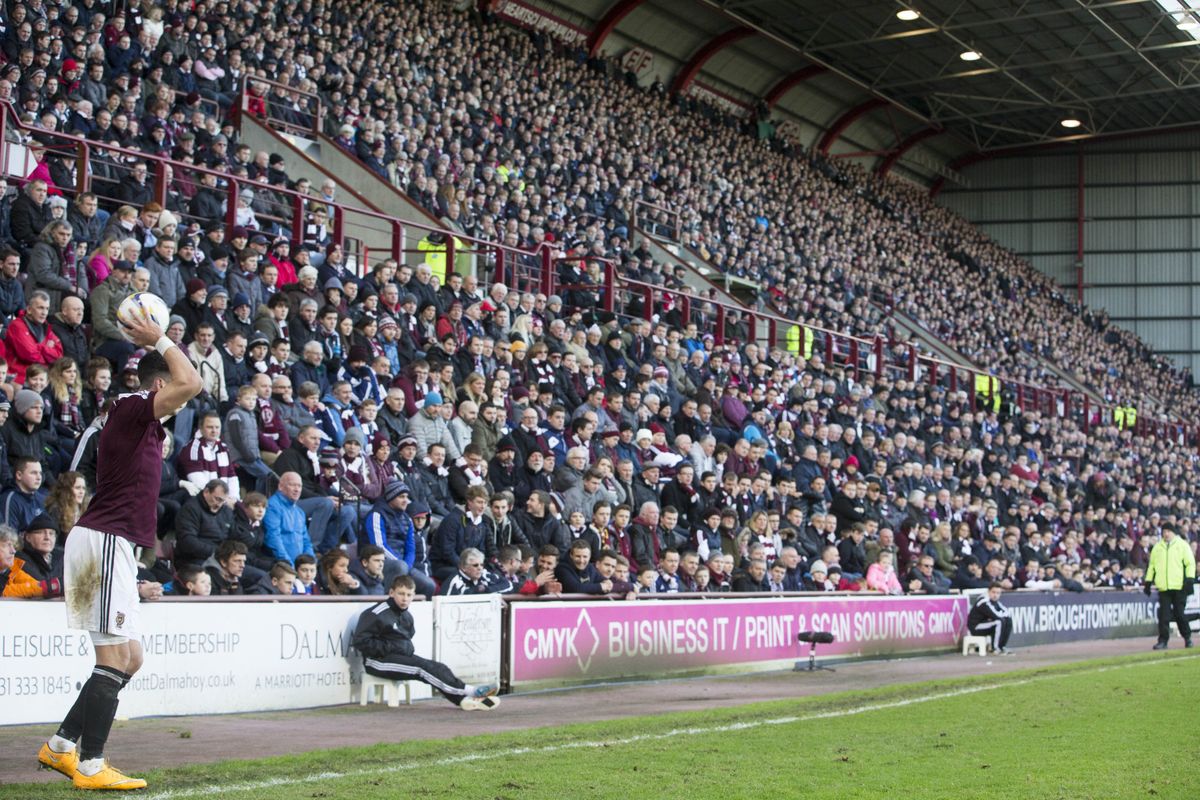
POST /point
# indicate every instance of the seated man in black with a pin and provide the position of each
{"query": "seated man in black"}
(384, 638)
(990, 618)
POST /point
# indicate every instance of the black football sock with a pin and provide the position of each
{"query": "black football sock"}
(72, 724)
(100, 707)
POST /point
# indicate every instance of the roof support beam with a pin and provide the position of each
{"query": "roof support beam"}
(608, 23)
(789, 82)
(846, 120)
(912, 141)
(692, 68)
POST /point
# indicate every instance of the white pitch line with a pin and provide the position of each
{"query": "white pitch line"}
(449, 761)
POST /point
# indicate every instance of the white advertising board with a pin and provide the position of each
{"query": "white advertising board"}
(200, 658)
(467, 633)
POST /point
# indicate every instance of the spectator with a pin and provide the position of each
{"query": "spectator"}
(29, 339)
(327, 517)
(26, 438)
(460, 531)
(228, 575)
(30, 215)
(242, 435)
(334, 575)
(881, 576)
(15, 581)
(286, 528)
(473, 578)
(40, 552)
(105, 299)
(207, 458)
(52, 265)
(369, 569)
(204, 521)
(753, 578)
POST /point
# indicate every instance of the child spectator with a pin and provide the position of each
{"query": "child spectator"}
(283, 578)
(647, 577)
(306, 575)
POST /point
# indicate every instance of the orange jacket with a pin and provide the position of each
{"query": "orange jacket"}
(23, 585)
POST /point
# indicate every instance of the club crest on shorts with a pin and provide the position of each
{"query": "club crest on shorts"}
(120, 618)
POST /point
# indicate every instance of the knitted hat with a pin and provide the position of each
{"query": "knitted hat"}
(25, 400)
(433, 399)
(355, 436)
(818, 566)
(394, 489)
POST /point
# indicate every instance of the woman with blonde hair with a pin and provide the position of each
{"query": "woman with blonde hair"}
(759, 528)
(474, 388)
(66, 390)
(523, 327)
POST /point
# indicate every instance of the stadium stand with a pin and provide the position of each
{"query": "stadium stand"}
(530, 343)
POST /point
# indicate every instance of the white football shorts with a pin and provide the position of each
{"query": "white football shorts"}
(101, 585)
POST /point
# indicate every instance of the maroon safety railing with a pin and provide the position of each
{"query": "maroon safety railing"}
(657, 220)
(517, 268)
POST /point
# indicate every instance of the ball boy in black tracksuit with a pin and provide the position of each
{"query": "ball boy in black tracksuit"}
(990, 618)
(384, 638)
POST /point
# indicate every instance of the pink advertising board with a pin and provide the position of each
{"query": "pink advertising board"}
(567, 642)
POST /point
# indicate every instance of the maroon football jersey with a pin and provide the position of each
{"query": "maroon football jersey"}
(128, 472)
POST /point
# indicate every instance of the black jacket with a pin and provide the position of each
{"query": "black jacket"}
(28, 220)
(384, 630)
(985, 610)
(540, 532)
(74, 340)
(576, 582)
(199, 531)
(295, 459)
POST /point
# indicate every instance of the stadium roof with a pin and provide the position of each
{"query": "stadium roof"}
(1113, 66)
(870, 81)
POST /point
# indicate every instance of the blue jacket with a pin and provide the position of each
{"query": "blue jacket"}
(393, 531)
(331, 419)
(286, 529)
(18, 509)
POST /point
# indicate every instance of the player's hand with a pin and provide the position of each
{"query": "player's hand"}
(143, 331)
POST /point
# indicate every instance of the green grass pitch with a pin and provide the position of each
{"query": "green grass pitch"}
(1114, 728)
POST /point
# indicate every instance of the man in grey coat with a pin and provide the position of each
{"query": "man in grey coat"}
(52, 266)
(428, 426)
(166, 279)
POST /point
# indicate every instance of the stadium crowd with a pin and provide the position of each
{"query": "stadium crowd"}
(480, 438)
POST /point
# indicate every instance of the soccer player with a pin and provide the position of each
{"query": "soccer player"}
(100, 571)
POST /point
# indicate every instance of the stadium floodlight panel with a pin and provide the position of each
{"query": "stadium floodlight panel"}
(1184, 12)
(908, 14)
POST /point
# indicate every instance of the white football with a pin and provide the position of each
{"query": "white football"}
(144, 305)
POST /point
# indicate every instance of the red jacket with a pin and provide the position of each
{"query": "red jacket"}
(24, 350)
